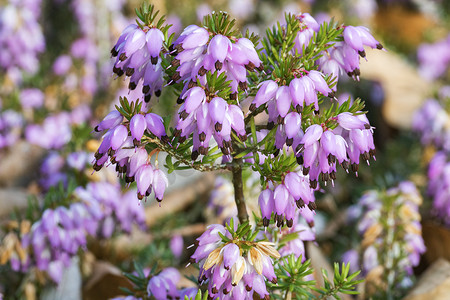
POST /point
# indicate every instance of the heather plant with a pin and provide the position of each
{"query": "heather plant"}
(391, 240)
(244, 103)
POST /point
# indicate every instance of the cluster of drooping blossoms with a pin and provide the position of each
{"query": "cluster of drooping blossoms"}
(20, 32)
(122, 145)
(60, 233)
(198, 51)
(439, 185)
(204, 113)
(344, 56)
(138, 52)
(431, 121)
(163, 286)
(434, 59)
(308, 26)
(394, 212)
(234, 267)
(206, 116)
(56, 130)
(340, 139)
(321, 148)
(293, 196)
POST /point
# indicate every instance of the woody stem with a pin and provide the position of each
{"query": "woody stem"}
(239, 190)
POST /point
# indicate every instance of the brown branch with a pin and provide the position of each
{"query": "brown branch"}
(239, 190)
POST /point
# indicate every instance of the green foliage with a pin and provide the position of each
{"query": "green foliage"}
(221, 23)
(293, 282)
(147, 14)
(127, 109)
(343, 282)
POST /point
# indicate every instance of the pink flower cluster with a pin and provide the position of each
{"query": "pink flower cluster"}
(121, 143)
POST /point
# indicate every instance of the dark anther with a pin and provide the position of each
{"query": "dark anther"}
(98, 155)
(289, 223)
(202, 137)
(333, 175)
(300, 203)
(280, 120)
(312, 205)
(299, 109)
(180, 100)
(202, 71)
(289, 142)
(145, 89)
(118, 71)
(176, 76)
(345, 165)
(122, 57)
(275, 154)
(165, 139)
(114, 52)
(175, 62)
(158, 93)
(367, 126)
(299, 148)
(184, 115)
(355, 167)
(313, 184)
(218, 127)
(218, 65)
(191, 84)
(132, 85)
(243, 85)
(362, 53)
(252, 107)
(331, 159)
(194, 155)
(129, 71)
(366, 156)
(97, 167)
(300, 160)
(250, 66)
(147, 98)
(270, 125)
(176, 132)
(203, 150)
(305, 171)
(225, 151)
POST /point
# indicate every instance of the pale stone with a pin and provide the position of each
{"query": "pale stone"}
(405, 90)
(433, 284)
